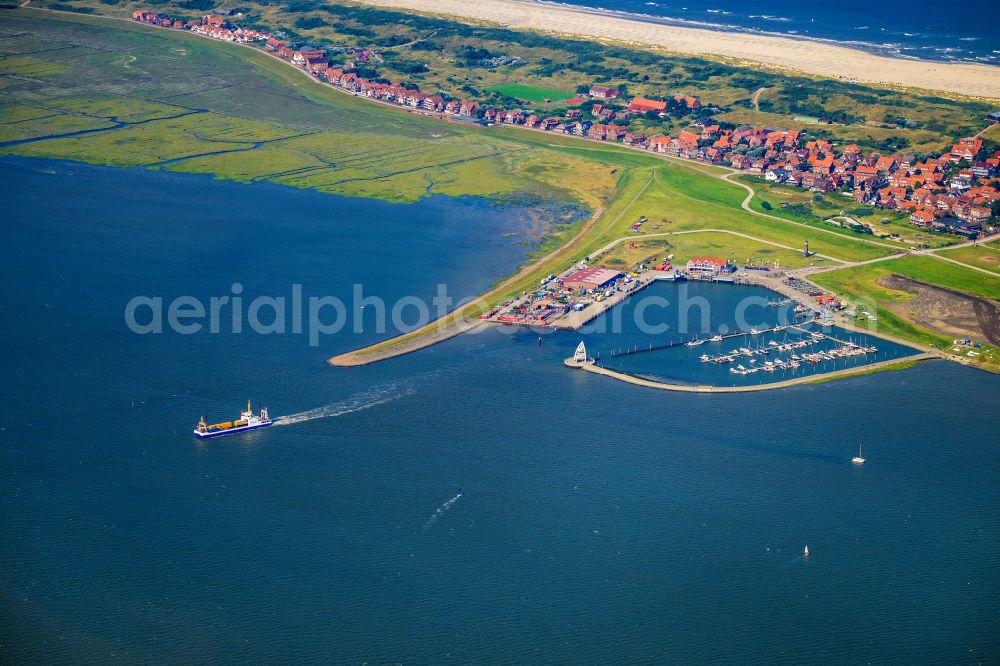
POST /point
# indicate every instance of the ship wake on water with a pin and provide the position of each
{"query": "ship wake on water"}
(376, 395)
(444, 507)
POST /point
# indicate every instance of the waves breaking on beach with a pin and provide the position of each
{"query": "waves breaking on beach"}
(889, 33)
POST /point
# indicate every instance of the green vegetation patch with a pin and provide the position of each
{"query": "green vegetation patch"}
(472, 60)
(125, 109)
(239, 114)
(834, 211)
(860, 285)
(902, 365)
(983, 256)
(529, 93)
(157, 141)
(712, 204)
(16, 113)
(249, 116)
(714, 243)
(946, 274)
(26, 66)
(50, 125)
(858, 279)
(866, 285)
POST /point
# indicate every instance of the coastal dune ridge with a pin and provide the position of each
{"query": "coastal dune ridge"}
(800, 54)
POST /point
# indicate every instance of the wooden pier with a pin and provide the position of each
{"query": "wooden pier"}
(678, 343)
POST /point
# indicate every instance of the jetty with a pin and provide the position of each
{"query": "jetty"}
(695, 342)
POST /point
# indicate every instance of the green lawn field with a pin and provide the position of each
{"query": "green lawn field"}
(532, 93)
(984, 256)
(860, 284)
(948, 275)
(626, 255)
(799, 205)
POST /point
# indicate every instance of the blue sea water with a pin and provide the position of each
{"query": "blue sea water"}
(963, 31)
(599, 522)
(633, 338)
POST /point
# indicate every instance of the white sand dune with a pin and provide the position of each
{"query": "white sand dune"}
(803, 55)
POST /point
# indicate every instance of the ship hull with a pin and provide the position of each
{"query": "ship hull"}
(232, 431)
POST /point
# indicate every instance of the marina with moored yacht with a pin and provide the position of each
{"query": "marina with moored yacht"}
(769, 354)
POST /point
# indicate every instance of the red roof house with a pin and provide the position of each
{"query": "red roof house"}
(643, 105)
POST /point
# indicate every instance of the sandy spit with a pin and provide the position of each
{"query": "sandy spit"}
(811, 57)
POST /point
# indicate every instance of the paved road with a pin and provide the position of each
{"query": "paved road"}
(931, 252)
(751, 193)
(640, 237)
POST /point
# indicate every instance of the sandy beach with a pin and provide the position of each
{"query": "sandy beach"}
(812, 57)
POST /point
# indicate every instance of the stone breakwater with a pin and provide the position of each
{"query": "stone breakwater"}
(590, 366)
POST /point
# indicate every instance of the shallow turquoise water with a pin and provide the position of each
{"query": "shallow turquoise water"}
(599, 523)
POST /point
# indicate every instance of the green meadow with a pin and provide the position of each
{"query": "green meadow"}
(460, 59)
(860, 284)
(948, 275)
(985, 256)
(627, 255)
(234, 112)
(193, 105)
(814, 208)
(531, 93)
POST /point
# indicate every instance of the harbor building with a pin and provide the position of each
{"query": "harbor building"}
(713, 265)
(592, 278)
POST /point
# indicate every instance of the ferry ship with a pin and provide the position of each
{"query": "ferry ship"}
(247, 421)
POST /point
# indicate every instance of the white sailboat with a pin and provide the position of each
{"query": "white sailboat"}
(858, 460)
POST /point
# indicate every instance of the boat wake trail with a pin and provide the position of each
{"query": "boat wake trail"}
(376, 395)
(444, 507)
